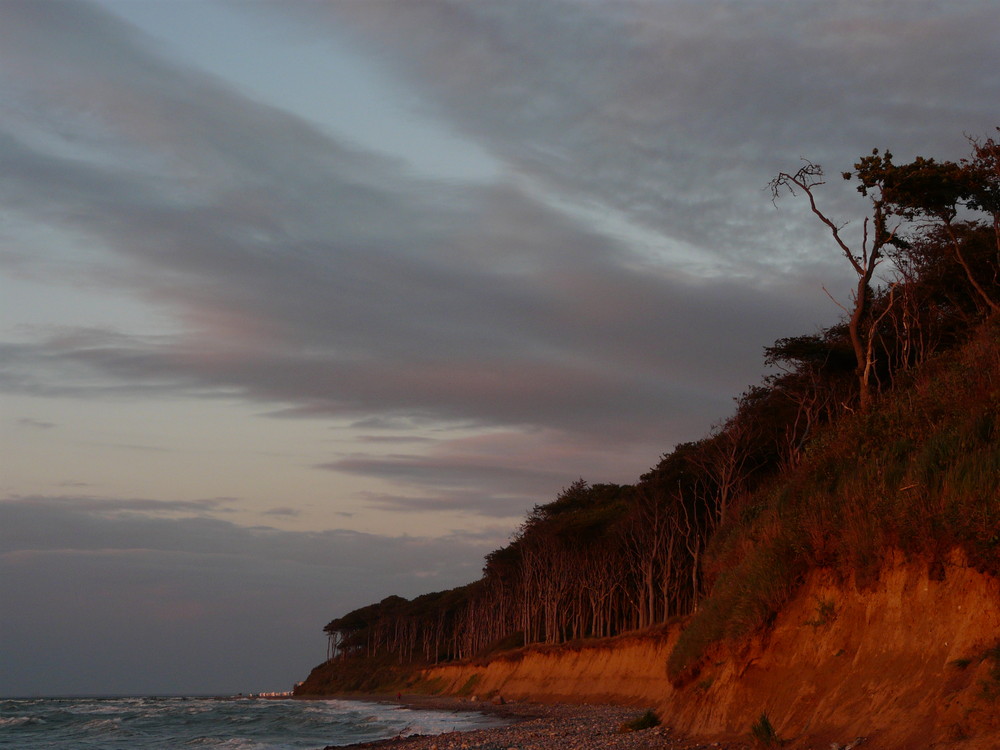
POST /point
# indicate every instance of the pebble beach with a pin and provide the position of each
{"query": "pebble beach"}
(545, 727)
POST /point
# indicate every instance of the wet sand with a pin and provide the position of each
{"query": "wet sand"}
(540, 727)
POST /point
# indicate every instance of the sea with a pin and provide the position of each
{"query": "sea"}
(230, 723)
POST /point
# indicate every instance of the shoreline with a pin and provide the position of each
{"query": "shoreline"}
(535, 726)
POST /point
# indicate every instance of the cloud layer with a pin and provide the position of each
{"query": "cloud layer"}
(597, 289)
(140, 596)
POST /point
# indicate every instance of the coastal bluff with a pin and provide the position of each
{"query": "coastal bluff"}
(908, 661)
(849, 597)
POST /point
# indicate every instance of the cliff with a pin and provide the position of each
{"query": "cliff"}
(838, 565)
(911, 662)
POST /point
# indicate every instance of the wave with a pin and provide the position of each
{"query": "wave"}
(18, 721)
(228, 724)
(102, 725)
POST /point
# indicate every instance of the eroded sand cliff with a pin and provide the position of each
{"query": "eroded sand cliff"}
(901, 662)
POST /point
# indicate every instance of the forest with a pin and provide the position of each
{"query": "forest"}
(878, 432)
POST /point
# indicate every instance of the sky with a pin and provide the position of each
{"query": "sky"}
(303, 304)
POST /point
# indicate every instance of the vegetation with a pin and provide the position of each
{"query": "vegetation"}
(880, 432)
(990, 687)
(377, 674)
(647, 720)
(826, 613)
(763, 733)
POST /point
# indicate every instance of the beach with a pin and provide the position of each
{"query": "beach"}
(543, 727)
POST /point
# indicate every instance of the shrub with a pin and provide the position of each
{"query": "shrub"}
(826, 612)
(763, 734)
(469, 685)
(648, 720)
(991, 685)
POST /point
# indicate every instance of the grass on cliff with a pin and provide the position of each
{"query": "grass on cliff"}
(917, 474)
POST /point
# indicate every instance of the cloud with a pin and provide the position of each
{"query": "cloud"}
(47, 524)
(499, 474)
(133, 603)
(674, 113)
(283, 511)
(351, 285)
(590, 370)
(396, 439)
(35, 424)
(106, 506)
(617, 280)
(479, 503)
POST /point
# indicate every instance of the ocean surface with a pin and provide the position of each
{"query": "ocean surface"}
(229, 723)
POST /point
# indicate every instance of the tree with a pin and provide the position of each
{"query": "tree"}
(983, 170)
(876, 236)
(934, 191)
(809, 391)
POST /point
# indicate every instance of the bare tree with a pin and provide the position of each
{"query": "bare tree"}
(876, 235)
